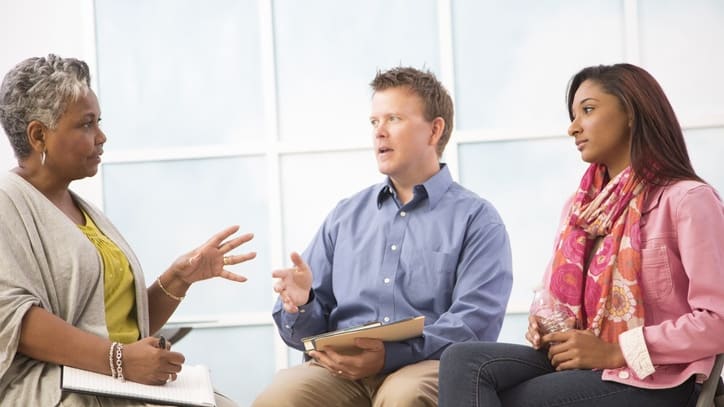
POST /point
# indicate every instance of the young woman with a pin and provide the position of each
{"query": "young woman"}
(639, 262)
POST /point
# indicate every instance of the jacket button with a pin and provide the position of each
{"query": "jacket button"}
(623, 374)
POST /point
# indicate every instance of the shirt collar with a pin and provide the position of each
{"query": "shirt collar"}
(435, 187)
(652, 199)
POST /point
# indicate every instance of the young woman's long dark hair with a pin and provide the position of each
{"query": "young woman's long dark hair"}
(658, 150)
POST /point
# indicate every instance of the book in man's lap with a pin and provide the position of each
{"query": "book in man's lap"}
(343, 340)
(192, 387)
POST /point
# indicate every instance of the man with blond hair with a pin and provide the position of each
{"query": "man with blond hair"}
(416, 244)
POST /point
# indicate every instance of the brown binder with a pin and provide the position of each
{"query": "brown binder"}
(343, 340)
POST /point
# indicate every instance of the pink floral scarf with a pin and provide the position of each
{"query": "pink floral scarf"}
(605, 296)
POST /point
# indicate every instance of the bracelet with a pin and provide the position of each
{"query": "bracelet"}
(119, 362)
(110, 359)
(165, 291)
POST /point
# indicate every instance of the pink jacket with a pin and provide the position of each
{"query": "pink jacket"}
(682, 277)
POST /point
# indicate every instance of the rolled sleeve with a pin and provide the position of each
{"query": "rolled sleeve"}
(633, 347)
(295, 326)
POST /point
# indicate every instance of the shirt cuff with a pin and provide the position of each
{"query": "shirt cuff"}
(633, 347)
(397, 354)
(289, 320)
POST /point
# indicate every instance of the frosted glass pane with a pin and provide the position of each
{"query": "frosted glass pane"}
(706, 149)
(681, 45)
(241, 359)
(313, 184)
(528, 181)
(7, 157)
(514, 328)
(179, 73)
(327, 52)
(294, 357)
(513, 59)
(167, 208)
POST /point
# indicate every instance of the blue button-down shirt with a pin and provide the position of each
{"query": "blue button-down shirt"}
(444, 255)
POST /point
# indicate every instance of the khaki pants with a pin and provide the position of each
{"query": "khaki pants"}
(310, 385)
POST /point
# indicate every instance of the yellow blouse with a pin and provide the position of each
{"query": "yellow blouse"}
(119, 289)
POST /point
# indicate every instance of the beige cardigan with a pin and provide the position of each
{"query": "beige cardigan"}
(45, 260)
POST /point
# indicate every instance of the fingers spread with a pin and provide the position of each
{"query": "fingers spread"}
(279, 286)
(281, 273)
(232, 276)
(236, 242)
(298, 261)
(221, 236)
(232, 259)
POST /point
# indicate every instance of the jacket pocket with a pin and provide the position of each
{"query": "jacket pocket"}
(655, 273)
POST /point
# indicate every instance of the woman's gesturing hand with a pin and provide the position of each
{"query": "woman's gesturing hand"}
(210, 259)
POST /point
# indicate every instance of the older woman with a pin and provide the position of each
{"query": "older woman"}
(71, 290)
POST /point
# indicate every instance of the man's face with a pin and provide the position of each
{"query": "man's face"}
(404, 140)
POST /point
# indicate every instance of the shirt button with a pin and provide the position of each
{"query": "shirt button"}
(386, 319)
(623, 374)
(386, 280)
(403, 214)
(393, 247)
(287, 326)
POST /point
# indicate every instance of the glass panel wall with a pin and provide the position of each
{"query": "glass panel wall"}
(681, 45)
(328, 51)
(193, 146)
(166, 208)
(513, 59)
(179, 73)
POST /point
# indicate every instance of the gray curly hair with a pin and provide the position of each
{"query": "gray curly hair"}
(39, 89)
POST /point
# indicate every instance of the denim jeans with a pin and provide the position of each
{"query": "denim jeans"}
(488, 374)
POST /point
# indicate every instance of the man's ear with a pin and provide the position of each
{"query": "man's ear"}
(36, 135)
(438, 126)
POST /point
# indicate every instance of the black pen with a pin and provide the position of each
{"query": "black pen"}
(162, 342)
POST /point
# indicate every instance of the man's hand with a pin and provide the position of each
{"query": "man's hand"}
(294, 284)
(368, 362)
(581, 349)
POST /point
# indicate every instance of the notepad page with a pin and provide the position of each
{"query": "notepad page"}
(192, 386)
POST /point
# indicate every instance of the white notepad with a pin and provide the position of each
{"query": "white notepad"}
(192, 387)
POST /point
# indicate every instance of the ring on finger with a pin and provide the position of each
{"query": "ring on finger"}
(227, 260)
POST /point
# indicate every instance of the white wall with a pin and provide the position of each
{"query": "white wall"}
(312, 61)
(31, 28)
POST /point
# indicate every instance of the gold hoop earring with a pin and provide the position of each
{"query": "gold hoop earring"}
(42, 158)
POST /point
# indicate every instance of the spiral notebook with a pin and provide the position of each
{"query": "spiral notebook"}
(191, 388)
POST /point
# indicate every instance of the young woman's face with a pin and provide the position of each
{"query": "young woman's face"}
(601, 128)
